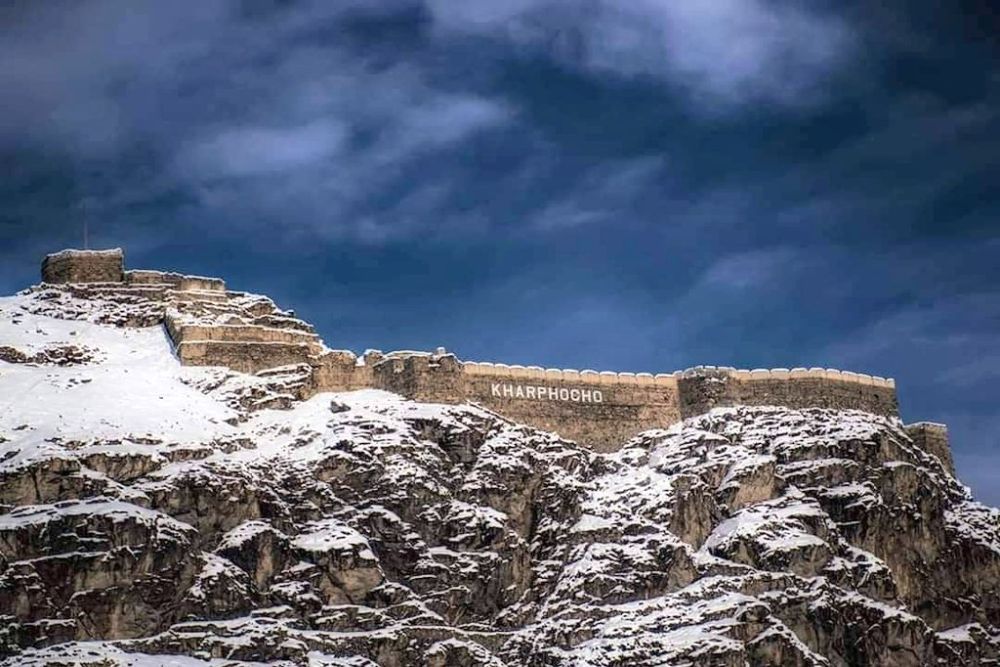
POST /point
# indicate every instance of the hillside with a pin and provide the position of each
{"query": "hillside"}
(155, 513)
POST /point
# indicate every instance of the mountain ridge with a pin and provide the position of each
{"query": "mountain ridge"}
(210, 325)
(153, 511)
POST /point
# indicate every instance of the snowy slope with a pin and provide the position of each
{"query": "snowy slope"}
(133, 390)
(150, 519)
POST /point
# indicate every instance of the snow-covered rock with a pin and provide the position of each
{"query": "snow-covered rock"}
(157, 514)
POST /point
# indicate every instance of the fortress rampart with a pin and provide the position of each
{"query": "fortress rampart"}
(211, 326)
(601, 409)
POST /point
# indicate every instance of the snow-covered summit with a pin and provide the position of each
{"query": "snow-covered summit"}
(154, 513)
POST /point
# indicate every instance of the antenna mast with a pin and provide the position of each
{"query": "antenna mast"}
(86, 223)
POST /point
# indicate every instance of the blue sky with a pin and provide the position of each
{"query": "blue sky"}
(638, 186)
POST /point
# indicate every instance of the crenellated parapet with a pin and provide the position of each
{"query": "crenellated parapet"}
(671, 379)
(604, 408)
(706, 387)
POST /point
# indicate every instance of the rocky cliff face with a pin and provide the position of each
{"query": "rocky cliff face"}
(153, 514)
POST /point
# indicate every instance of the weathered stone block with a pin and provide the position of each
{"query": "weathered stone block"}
(176, 280)
(84, 266)
(933, 439)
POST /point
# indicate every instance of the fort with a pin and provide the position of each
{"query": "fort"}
(210, 325)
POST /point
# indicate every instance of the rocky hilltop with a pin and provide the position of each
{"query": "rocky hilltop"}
(157, 513)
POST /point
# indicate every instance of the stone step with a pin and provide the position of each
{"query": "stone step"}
(237, 333)
(199, 295)
(245, 357)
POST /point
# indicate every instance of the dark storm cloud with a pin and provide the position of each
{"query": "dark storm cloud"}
(251, 114)
(223, 95)
(644, 186)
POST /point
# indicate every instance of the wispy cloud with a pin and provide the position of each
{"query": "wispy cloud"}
(975, 444)
(258, 151)
(82, 71)
(736, 290)
(927, 331)
(975, 373)
(605, 194)
(247, 116)
(726, 53)
(753, 270)
(355, 144)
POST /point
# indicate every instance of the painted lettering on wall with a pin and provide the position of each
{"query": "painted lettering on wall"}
(541, 393)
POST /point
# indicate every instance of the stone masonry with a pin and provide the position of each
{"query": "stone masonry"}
(84, 266)
(212, 326)
(933, 438)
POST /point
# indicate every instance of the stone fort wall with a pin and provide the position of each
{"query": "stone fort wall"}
(604, 409)
(211, 326)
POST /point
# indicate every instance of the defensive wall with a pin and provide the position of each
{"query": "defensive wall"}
(212, 326)
(601, 409)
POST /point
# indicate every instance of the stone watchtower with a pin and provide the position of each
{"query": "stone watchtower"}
(84, 266)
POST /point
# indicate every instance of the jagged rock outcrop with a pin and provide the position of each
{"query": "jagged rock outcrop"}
(150, 511)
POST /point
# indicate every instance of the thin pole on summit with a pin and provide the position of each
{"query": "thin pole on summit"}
(86, 223)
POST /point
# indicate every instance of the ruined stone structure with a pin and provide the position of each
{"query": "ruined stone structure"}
(211, 326)
(84, 266)
(933, 438)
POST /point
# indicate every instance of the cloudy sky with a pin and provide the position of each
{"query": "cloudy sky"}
(638, 186)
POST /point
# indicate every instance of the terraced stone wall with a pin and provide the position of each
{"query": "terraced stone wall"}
(175, 281)
(210, 326)
(242, 356)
